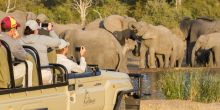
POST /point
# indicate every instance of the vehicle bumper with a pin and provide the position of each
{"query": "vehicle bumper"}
(130, 93)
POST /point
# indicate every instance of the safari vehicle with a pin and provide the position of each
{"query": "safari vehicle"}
(93, 90)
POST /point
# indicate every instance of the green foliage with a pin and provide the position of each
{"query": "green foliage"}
(198, 86)
(112, 7)
(158, 12)
(172, 85)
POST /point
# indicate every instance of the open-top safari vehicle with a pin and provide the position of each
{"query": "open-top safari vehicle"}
(93, 90)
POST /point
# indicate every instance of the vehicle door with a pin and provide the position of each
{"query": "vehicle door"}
(89, 92)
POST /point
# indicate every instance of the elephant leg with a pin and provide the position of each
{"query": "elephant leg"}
(160, 58)
(173, 59)
(138, 49)
(189, 53)
(167, 57)
(211, 59)
(180, 61)
(216, 56)
(143, 51)
(152, 58)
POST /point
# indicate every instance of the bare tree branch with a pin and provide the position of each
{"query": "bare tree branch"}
(81, 7)
(100, 16)
(9, 5)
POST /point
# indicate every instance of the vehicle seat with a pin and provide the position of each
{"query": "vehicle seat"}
(52, 56)
(5, 72)
(34, 72)
(4, 69)
(33, 59)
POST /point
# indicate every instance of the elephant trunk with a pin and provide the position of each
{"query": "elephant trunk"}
(195, 48)
(132, 25)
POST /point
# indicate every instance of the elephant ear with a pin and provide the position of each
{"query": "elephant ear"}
(114, 25)
(148, 36)
(205, 40)
(184, 25)
(202, 42)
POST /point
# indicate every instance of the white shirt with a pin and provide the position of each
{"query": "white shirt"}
(70, 65)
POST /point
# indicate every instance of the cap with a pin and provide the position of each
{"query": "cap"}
(9, 23)
(32, 24)
(42, 18)
(63, 44)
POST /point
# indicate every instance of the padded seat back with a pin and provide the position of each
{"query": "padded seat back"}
(52, 56)
(32, 58)
(4, 69)
(5, 72)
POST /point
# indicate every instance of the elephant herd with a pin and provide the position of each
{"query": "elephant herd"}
(108, 41)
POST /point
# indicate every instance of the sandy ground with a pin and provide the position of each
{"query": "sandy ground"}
(176, 105)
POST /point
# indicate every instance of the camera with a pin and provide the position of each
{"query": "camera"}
(44, 24)
(77, 49)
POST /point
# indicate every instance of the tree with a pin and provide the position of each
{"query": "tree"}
(81, 7)
(8, 5)
(178, 3)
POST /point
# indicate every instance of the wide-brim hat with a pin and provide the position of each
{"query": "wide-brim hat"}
(63, 44)
(32, 24)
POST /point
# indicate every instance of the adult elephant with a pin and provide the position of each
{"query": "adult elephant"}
(192, 29)
(116, 24)
(96, 24)
(21, 17)
(102, 48)
(158, 41)
(210, 42)
(60, 28)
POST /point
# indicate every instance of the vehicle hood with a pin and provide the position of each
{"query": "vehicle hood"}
(115, 75)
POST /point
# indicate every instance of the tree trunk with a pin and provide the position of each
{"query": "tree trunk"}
(178, 3)
(83, 20)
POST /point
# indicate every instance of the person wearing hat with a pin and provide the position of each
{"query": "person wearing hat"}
(11, 36)
(42, 19)
(41, 43)
(69, 64)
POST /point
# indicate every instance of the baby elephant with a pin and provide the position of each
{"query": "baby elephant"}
(208, 42)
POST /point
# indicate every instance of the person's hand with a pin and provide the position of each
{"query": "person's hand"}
(50, 26)
(82, 51)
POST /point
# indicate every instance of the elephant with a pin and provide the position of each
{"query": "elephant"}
(193, 29)
(180, 46)
(21, 17)
(60, 28)
(158, 41)
(102, 48)
(210, 42)
(115, 24)
(94, 25)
